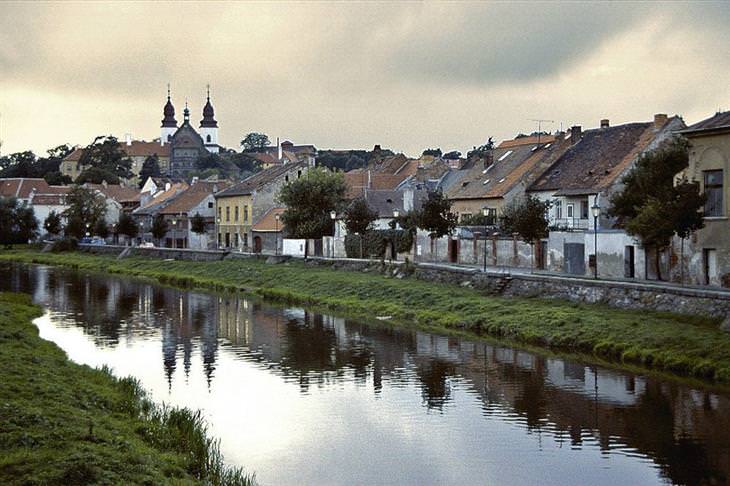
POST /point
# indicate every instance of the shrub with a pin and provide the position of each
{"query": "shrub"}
(68, 243)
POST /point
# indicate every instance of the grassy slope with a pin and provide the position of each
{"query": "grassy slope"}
(63, 423)
(679, 344)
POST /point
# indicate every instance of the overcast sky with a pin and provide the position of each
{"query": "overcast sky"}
(344, 75)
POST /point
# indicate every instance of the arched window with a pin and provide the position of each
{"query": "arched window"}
(207, 139)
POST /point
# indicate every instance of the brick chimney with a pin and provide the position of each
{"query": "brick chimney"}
(604, 123)
(575, 133)
(660, 119)
(488, 158)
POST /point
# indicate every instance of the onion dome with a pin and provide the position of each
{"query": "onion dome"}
(169, 112)
(208, 114)
(186, 113)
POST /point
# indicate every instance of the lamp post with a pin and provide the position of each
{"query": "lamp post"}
(596, 210)
(485, 212)
(333, 217)
(174, 233)
(88, 225)
(396, 213)
(276, 248)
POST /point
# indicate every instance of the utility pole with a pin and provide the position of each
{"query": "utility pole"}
(539, 122)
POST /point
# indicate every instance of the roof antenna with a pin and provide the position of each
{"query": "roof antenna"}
(539, 126)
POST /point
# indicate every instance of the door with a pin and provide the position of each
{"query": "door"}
(574, 254)
(257, 244)
(541, 257)
(569, 213)
(629, 262)
(709, 264)
(453, 250)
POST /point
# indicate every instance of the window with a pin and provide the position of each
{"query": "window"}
(235, 214)
(507, 154)
(228, 214)
(569, 211)
(219, 214)
(235, 240)
(713, 191)
(245, 214)
(299, 174)
(558, 209)
(245, 239)
(584, 209)
(465, 216)
(210, 205)
(286, 178)
(207, 139)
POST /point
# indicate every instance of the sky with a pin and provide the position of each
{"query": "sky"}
(406, 76)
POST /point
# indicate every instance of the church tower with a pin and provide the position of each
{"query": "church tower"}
(169, 124)
(209, 127)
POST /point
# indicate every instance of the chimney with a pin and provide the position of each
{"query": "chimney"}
(660, 119)
(128, 139)
(604, 123)
(369, 181)
(167, 186)
(575, 134)
(279, 149)
(195, 180)
(488, 158)
(408, 197)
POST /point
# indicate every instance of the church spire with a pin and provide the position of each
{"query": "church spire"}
(186, 113)
(168, 112)
(208, 114)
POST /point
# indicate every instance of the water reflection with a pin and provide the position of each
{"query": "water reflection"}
(533, 413)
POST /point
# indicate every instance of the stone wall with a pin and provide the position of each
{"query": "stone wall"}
(161, 253)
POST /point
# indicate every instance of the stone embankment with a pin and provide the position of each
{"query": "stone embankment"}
(620, 294)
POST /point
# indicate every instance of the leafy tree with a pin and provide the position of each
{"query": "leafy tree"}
(432, 152)
(359, 216)
(309, 200)
(245, 163)
(197, 224)
(255, 140)
(85, 207)
(435, 215)
(126, 226)
(652, 206)
(97, 175)
(55, 178)
(482, 150)
(408, 222)
(101, 229)
(19, 164)
(528, 217)
(215, 164)
(454, 154)
(159, 228)
(106, 154)
(52, 224)
(17, 222)
(150, 168)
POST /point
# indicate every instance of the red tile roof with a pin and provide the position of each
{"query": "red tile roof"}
(117, 192)
(22, 187)
(192, 196)
(268, 221)
(138, 148)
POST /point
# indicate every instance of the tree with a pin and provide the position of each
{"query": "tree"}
(254, 141)
(528, 217)
(159, 228)
(453, 155)
(126, 226)
(55, 178)
(197, 224)
(17, 222)
(309, 200)
(482, 150)
(52, 224)
(97, 175)
(85, 208)
(150, 168)
(101, 229)
(651, 206)
(359, 216)
(106, 154)
(432, 152)
(435, 216)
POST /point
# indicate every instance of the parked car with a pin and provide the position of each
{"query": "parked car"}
(88, 240)
(146, 244)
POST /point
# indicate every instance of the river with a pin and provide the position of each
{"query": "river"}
(300, 397)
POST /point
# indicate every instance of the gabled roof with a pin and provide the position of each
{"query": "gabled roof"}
(137, 148)
(260, 179)
(49, 200)
(531, 140)
(513, 161)
(21, 187)
(597, 160)
(117, 192)
(161, 198)
(720, 121)
(186, 200)
(268, 222)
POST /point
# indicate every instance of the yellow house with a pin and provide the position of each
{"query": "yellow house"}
(239, 207)
(136, 150)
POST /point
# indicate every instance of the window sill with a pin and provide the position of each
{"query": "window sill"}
(715, 218)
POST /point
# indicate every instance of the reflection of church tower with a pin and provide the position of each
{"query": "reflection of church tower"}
(209, 344)
(169, 351)
(169, 124)
(209, 127)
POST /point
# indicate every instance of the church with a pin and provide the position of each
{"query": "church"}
(185, 143)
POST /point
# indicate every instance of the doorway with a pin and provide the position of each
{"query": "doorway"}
(257, 244)
(629, 261)
(453, 250)
(709, 265)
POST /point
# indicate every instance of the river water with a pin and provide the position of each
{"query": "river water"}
(303, 398)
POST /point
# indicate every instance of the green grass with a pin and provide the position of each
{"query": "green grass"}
(63, 423)
(682, 345)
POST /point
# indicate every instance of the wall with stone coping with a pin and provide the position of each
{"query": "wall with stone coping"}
(161, 253)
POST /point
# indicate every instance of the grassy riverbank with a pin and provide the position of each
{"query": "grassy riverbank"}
(689, 346)
(63, 423)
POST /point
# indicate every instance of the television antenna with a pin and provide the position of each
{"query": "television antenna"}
(539, 122)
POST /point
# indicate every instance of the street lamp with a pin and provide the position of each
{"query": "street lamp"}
(174, 233)
(88, 225)
(396, 213)
(485, 212)
(596, 210)
(218, 223)
(333, 217)
(276, 235)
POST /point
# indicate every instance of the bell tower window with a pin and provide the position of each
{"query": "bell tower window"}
(207, 139)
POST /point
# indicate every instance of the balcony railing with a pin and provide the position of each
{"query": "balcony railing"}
(569, 224)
